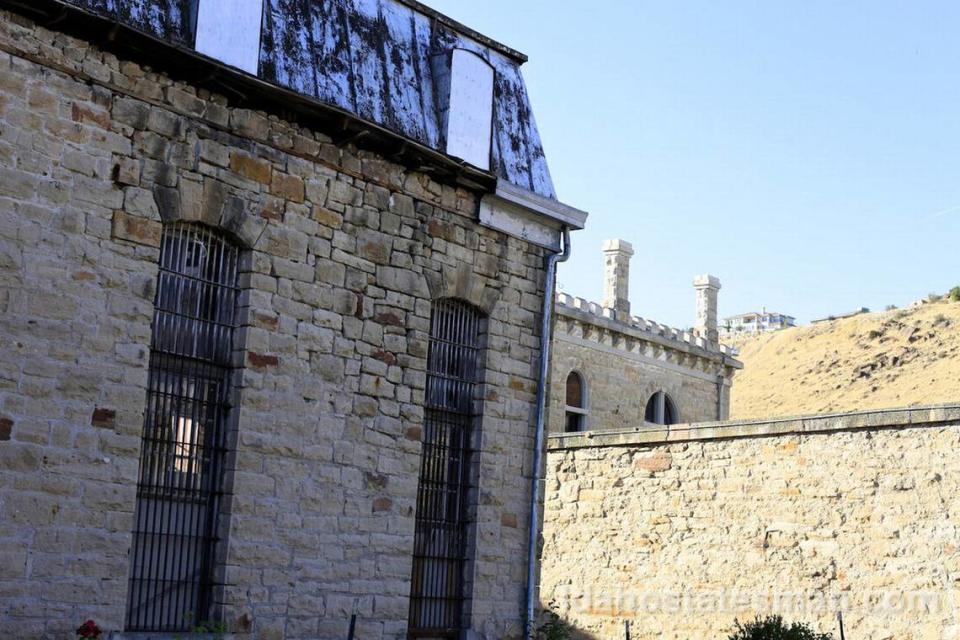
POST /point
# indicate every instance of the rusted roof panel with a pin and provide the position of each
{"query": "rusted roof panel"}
(381, 60)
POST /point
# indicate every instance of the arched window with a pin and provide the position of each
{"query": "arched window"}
(661, 410)
(184, 432)
(438, 587)
(576, 403)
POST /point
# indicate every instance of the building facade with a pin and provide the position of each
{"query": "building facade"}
(757, 322)
(611, 370)
(268, 320)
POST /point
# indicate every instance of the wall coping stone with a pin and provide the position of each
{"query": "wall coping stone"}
(652, 435)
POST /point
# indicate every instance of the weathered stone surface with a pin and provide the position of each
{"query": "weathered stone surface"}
(682, 533)
(287, 187)
(128, 171)
(136, 229)
(335, 315)
(250, 167)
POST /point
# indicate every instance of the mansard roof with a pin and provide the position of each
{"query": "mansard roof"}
(378, 60)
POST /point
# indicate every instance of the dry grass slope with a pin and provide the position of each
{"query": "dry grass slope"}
(872, 361)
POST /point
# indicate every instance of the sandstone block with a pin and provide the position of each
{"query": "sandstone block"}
(249, 167)
(136, 229)
(287, 187)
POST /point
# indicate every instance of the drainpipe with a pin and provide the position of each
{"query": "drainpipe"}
(534, 520)
(719, 397)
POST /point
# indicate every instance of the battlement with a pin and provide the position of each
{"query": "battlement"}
(656, 331)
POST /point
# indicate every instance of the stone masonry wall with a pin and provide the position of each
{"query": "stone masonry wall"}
(619, 384)
(343, 254)
(679, 534)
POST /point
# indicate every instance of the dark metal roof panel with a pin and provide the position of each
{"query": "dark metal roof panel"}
(167, 19)
(375, 59)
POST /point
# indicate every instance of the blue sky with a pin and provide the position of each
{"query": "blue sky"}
(807, 153)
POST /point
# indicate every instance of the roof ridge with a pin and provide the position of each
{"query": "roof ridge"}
(465, 30)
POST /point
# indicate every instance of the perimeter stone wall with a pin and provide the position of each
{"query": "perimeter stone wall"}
(680, 533)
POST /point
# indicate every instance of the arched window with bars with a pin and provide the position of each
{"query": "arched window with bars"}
(661, 409)
(576, 403)
(184, 432)
(438, 588)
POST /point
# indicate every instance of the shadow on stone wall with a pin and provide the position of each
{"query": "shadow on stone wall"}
(552, 625)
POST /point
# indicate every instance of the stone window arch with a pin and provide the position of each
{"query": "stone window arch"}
(577, 407)
(661, 409)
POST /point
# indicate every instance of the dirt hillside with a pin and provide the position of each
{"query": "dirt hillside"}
(871, 361)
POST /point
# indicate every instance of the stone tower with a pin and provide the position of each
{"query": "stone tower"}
(707, 287)
(616, 277)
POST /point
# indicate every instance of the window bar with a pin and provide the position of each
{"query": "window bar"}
(440, 541)
(180, 485)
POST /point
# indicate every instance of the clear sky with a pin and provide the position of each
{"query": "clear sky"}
(805, 152)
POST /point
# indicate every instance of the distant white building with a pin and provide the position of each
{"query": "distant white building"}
(756, 322)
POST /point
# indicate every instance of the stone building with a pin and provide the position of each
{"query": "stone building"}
(270, 302)
(612, 370)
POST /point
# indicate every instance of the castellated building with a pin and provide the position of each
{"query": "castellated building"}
(272, 280)
(613, 370)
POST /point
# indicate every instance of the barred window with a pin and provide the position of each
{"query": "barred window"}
(576, 403)
(438, 584)
(661, 410)
(184, 432)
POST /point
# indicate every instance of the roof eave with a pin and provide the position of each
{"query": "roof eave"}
(563, 214)
(514, 207)
(256, 93)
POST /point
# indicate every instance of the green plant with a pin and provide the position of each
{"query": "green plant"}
(216, 629)
(210, 627)
(954, 294)
(774, 628)
(553, 626)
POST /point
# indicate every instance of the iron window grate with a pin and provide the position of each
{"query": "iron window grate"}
(440, 541)
(184, 432)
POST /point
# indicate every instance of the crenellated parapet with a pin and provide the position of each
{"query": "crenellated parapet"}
(593, 322)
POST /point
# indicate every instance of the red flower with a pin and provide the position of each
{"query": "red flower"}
(89, 629)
